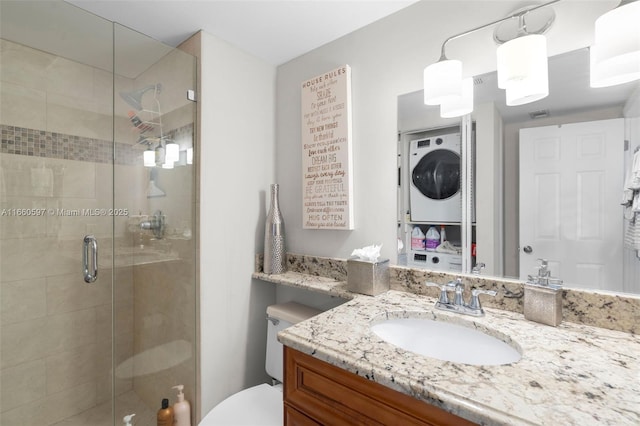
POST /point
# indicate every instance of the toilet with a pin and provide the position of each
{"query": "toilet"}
(262, 404)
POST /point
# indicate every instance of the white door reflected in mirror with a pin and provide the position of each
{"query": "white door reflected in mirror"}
(570, 190)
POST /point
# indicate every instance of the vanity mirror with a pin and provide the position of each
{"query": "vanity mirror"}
(511, 198)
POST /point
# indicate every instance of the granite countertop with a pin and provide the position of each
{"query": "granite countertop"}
(571, 374)
(317, 284)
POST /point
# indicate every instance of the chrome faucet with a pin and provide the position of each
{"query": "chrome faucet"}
(473, 308)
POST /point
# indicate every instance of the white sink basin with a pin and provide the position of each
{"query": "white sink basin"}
(446, 341)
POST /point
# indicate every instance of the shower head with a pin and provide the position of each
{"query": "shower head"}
(134, 98)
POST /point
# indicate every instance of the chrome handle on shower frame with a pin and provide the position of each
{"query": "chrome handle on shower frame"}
(90, 244)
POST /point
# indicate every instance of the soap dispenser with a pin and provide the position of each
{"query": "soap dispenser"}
(165, 414)
(181, 409)
(127, 419)
(543, 297)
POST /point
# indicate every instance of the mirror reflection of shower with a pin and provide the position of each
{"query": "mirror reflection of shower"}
(153, 191)
(146, 117)
(134, 98)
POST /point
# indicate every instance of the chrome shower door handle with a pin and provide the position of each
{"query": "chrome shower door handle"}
(90, 250)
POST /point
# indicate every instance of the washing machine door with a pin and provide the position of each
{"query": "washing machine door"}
(437, 174)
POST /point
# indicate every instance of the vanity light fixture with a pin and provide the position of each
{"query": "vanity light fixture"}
(443, 81)
(523, 69)
(522, 58)
(615, 55)
(462, 105)
(522, 63)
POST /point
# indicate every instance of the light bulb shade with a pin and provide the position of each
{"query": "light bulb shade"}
(615, 55)
(172, 152)
(527, 91)
(149, 158)
(442, 82)
(611, 73)
(523, 58)
(461, 106)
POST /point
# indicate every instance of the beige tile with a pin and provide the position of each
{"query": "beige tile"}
(67, 293)
(23, 341)
(53, 408)
(123, 284)
(104, 182)
(100, 415)
(70, 368)
(27, 177)
(123, 324)
(76, 120)
(73, 179)
(104, 327)
(77, 217)
(35, 339)
(70, 78)
(24, 66)
(22, 384)
(29, 258)
(104, 378)
(22, 106)
(23, 300)
(71, 330)
(28, 217)
(103, 90)
(123, 372)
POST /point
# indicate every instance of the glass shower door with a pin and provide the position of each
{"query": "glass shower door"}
(82, 103)
(56, 189)
(154, 250)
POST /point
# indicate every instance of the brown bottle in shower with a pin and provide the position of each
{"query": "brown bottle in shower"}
(165, 414)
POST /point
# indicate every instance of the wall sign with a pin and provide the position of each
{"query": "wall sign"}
(327, 182)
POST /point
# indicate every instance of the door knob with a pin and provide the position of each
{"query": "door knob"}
(527, 249)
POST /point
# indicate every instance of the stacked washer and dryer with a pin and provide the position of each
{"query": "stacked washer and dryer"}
(434, 193)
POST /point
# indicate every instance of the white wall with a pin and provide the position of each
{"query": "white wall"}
(237, 140)
(387, 59)
(489, 189)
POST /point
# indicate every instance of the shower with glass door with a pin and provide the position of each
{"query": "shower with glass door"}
(97, 219)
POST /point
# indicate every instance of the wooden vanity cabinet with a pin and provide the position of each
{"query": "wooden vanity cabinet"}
(318, 393)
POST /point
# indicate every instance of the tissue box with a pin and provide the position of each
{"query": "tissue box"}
(365, 277)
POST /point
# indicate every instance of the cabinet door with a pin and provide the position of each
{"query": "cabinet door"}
(330, 396)
(293, 417)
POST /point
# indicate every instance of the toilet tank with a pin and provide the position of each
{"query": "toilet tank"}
(279, 317)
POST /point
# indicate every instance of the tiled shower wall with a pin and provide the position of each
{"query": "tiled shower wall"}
(55, 157)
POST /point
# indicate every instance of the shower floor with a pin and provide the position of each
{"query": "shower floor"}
(100, 415)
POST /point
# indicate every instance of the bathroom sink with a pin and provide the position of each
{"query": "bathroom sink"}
(446, 341)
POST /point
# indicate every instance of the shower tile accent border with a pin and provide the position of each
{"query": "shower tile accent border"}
(611, 311)
(40, 143)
